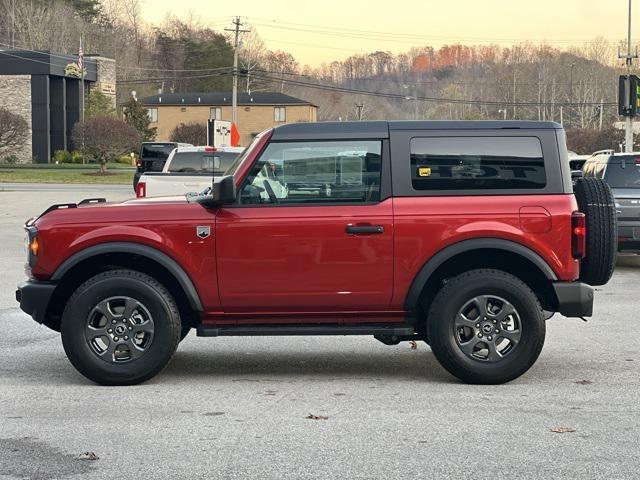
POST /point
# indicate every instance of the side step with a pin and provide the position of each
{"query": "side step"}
(275, 330)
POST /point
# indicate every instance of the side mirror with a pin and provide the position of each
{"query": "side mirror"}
(223, 192)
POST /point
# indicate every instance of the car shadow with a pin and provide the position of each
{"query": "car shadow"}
(267, 365)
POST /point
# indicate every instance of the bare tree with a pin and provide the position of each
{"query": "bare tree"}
(14, 131)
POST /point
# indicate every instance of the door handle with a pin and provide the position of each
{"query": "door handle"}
(364, 229)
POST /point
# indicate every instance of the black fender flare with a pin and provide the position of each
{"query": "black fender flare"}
(463, 246)
(136, 249)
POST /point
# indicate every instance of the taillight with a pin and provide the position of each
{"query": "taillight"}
(141, 190)
(578, 235)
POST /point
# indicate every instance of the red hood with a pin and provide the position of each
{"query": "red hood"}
(148, 210)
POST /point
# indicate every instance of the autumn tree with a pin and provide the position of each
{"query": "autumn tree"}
(105, 139)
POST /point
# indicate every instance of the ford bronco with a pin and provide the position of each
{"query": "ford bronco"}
(466, 235)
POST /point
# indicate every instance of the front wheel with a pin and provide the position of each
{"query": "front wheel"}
(120, 327)
(486, 326)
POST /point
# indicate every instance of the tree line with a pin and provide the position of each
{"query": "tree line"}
(575, 86)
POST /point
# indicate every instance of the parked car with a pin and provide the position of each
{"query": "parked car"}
(153, 155)
(188, 169)
(465, 235)
(622, 172)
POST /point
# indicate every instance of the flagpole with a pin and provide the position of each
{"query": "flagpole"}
(81, 65)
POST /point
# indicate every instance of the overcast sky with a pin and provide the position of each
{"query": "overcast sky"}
(296, 25)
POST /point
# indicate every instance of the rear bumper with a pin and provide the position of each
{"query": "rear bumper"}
(575, 299)
(628, 235)
(34, 298)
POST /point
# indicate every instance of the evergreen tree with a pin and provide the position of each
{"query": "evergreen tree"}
(98, 104)
(136, 115)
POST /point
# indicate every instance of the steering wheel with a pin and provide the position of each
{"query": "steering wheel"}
(270, 192)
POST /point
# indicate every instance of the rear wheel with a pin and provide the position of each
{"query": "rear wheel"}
(486, 326)
(120, 327)
(596, 201)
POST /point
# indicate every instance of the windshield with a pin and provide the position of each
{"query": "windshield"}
(233, 168)
(627, 177)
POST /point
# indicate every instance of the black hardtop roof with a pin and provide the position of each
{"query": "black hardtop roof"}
(380, 129)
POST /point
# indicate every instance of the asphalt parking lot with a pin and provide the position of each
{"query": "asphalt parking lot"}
(237, 407)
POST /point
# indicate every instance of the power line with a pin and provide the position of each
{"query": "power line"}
(399, 96)
(398, 37)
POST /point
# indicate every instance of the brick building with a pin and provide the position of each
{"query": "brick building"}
(44, 88)
(256, 112)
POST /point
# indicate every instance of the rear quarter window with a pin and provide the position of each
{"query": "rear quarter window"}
(477, 163)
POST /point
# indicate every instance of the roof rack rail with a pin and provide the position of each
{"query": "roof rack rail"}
(92, 200)
(608, 151)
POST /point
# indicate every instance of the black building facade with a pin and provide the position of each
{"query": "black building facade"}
(53, 82)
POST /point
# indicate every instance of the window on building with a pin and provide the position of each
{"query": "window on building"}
(312, 173)
(215, 113)
(471, 163)
(153, 114)
(280, 114)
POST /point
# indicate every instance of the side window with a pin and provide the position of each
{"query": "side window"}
(472, 163)
(315, 173)
(192, 162)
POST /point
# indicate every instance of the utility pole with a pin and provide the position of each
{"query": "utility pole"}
(234, 98)
(570, 106)
(628, 137)
(360, 107)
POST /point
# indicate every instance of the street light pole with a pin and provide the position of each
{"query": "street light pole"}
(628, 135)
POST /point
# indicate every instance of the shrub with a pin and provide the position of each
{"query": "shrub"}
(106, 139)
(62, 156)
(193, 133)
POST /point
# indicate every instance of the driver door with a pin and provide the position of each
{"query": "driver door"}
(312, 231)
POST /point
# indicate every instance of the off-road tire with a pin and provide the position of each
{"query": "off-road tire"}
(596, 201)
(442, 333)
(129, 283)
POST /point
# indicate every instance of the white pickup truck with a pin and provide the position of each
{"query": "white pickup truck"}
(187, 169)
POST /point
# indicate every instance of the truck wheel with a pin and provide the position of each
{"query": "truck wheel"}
(120, 327)
(596, 201)
(486, 326)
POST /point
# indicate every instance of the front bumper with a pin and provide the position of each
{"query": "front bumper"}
(575, 299)
(34, 298)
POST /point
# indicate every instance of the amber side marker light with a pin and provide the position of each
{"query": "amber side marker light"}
(34, 246)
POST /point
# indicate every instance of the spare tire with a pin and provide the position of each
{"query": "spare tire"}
(596, 201)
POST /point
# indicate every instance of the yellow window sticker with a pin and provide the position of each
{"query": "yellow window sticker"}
(424, 171)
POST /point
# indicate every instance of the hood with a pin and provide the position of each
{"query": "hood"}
(99, 212)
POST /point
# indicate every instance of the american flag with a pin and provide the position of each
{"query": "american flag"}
(80, 56)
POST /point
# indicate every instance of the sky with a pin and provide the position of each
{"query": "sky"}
(317, 32)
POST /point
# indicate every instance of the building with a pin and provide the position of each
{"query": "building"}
(44, 88)
(256, 112)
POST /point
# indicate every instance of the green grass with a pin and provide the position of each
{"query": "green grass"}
(62, 166)
(41, 175)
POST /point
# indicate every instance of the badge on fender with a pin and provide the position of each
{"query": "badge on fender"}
(203, 231)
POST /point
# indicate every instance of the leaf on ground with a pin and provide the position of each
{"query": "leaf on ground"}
(88, 456)
(414, 345)
(311, 416)
(563, 430)
(584, 382)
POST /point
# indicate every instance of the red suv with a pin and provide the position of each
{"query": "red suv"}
(466, 235)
